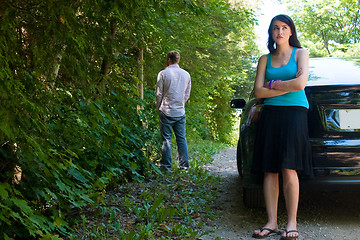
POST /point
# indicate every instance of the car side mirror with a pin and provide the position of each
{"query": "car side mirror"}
(238, 103)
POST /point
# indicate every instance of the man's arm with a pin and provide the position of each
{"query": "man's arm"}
(187, 91)
(159, 90)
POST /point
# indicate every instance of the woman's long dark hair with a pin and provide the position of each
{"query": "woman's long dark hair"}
(293, 40)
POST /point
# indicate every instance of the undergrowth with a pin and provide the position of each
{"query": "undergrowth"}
(165, 206)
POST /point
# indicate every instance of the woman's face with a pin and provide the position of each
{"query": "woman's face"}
(281, 32)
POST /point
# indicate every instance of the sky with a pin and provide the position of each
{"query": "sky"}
(268, 10)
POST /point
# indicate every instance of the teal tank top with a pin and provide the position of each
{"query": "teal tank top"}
(284, 73)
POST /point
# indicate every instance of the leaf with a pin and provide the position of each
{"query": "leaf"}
(3, 192)
(5, 122)
(38, 220)
(64, 187)
(6, 237)
(156, 203)
(76, 174)
(22, 204)
(53, 195)
(50, 237)
(59, 221)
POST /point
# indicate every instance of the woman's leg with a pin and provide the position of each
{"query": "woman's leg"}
(271, 194)
(291, 194)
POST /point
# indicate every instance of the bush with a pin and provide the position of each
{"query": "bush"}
(73, 122)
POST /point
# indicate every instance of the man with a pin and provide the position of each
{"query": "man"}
(172, 91)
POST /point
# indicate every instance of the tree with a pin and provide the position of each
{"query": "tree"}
(330, 22)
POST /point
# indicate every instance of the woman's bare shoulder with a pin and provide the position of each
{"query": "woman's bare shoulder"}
(301, 53)
(263, 59)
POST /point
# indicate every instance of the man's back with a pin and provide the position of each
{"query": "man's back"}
(173, 90)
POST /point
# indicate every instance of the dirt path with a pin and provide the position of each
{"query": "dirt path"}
(322, 215)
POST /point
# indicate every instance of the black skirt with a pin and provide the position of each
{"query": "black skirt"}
(282, 141)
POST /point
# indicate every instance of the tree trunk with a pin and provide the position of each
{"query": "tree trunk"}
(106, 61)
(140, 85)
(326, 43)
(140, 75)
(55, 73)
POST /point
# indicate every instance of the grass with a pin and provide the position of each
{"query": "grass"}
(171, 206)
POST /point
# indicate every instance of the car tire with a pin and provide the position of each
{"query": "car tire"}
(253, 197)
(239, 160)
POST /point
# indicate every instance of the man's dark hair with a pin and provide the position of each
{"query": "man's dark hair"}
(174, 56)
(293, 40)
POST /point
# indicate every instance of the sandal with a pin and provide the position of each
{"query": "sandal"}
(271, 233)
(290, 238)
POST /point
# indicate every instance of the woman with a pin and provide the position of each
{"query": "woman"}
(282, 144)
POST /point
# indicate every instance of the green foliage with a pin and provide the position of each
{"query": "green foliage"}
(72, 119)
(173, 206)
(215, 48)
(333, 25)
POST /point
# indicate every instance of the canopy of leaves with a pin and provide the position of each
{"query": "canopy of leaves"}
(331, 28)
(72, 119)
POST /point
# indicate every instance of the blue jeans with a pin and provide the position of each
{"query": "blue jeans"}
(177, 124)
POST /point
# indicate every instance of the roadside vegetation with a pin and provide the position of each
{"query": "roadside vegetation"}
(169, 206)
(78, 118)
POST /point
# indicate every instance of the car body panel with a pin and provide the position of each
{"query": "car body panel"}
(333, 71)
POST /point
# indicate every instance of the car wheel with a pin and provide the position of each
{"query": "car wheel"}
(253, 197)
(239, 160)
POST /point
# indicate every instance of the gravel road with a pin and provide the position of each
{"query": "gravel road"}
(321, 215)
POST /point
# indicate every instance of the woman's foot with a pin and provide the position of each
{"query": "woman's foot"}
(290, 231)
(290, 234)
(265, 232)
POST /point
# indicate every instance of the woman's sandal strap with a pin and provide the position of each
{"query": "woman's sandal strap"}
(291, 231)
